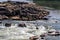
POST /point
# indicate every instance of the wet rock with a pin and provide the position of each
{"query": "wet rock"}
(54, 33)
(0, 22)
(37, 28)
(7, 25)
(44, 18)
(50, 32)
(42, 35)
(33, 38)
(21, 25)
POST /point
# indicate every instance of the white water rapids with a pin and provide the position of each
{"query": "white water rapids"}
(22, 33)
(18, 33)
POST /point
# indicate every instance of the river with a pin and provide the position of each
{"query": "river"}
(15, 33)
(55, 16)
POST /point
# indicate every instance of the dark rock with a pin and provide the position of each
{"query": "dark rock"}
(42, 35)
(7, 25)
(54, 34)
(42, 38)
(21, 25)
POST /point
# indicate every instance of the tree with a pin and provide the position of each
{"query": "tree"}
(48, 3)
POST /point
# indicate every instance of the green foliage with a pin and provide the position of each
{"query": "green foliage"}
(46, 0)
(49, 3)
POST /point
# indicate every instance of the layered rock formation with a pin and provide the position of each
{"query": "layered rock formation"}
(21, 11)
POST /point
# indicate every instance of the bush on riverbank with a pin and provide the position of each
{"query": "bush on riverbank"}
(53, 4)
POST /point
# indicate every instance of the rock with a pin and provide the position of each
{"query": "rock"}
(7, 25)
(33, 38)
(1, 17)
(15, 17)
(24, 18)
(42, 35)
(54, 33)
(4, 17)
(25, 11)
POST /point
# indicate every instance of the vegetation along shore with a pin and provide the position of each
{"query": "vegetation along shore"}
(49, 3)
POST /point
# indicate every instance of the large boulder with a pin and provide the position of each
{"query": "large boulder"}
(25, 11)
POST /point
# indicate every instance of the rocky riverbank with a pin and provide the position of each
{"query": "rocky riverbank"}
(21, 11)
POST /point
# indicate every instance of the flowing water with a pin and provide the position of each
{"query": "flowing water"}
(15, 33)
(55, 16)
